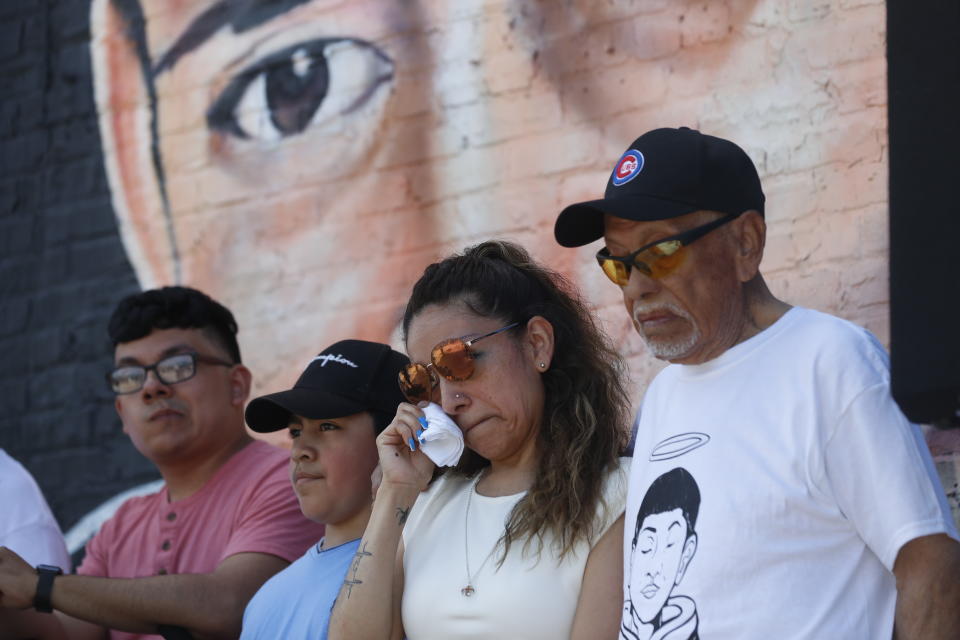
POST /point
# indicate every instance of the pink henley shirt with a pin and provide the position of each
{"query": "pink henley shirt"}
(247, 506)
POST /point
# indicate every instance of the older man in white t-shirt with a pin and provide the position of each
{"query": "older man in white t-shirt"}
(776, 490)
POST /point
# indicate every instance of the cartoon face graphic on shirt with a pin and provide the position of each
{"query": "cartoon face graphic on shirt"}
(664, 542)
(660, 556)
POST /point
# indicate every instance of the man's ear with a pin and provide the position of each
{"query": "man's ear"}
(240, 382)
(689, 549)
(118, 406)
(750, 230)
(540, 341)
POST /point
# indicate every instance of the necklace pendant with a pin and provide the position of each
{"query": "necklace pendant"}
(468, 591)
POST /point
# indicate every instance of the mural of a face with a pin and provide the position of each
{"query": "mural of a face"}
(303, 160)
(247, 153)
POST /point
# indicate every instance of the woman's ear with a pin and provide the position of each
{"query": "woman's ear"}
(540, 342)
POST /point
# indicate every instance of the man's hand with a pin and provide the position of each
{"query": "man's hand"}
(207, 604)
(18, 581)
(928, 589)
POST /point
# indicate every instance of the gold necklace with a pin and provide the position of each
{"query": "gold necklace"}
(469, 590)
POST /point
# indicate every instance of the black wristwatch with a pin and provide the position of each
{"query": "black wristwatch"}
(45, 575)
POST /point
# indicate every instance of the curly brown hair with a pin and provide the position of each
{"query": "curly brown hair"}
(584, 425)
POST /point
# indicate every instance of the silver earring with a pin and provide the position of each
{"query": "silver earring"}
(458, 395)
(543, 365)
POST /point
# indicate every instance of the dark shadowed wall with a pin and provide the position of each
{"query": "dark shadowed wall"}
(62, 266)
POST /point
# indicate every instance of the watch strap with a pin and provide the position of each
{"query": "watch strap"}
(45, 575)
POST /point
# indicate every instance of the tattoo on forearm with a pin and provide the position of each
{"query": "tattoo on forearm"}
(402, 515)
(351, 582)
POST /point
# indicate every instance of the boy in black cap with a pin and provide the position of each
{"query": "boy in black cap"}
(346, 396)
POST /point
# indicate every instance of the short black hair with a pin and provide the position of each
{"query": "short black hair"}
(676, 489)
(137, 315)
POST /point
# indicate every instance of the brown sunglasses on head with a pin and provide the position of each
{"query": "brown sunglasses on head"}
(452, 359)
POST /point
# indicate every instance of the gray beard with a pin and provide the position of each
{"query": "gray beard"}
(663, 349)
(670, 350)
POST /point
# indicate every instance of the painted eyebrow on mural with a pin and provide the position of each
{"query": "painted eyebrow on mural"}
(239, 14)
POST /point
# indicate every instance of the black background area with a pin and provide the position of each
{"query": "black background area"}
(923, 57)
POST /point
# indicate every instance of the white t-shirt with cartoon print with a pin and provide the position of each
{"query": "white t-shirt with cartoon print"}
(771, 490)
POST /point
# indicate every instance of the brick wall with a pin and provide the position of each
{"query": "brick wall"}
(62, 266)
(497, 114)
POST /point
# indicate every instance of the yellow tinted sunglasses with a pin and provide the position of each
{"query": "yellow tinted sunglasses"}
(657, 259)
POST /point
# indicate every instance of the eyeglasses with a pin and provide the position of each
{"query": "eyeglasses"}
(657, 259)
(177, 368)
(452, 359)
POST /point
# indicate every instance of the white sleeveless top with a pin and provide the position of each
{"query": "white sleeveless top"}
(524, 598)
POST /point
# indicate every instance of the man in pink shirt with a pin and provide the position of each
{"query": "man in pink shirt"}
(224, 522)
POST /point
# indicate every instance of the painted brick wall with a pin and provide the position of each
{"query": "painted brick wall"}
(499, 113)
(800, 85)
(504, 112)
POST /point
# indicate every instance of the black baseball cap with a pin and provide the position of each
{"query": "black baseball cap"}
(667, 173)
(348, 377)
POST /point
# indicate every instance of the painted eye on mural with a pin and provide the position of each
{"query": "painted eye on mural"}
(308, 83)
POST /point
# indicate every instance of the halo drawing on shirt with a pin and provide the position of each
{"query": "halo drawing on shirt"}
(676, 446)
(664, 543)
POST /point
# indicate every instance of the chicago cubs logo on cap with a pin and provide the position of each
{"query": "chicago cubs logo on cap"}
(629, 165)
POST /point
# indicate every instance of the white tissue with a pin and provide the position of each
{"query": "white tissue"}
(442, 440)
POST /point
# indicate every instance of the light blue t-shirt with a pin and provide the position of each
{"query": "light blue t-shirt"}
(296, 602)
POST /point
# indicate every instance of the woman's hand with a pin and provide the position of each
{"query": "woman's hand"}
(401, 461)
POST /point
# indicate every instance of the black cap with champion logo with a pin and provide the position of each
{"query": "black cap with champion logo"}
(348, 377)
(667, 173)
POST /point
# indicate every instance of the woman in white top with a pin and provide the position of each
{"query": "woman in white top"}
(523, 538)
